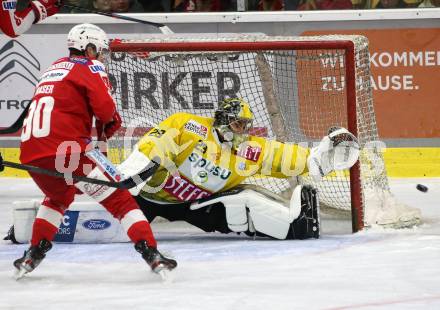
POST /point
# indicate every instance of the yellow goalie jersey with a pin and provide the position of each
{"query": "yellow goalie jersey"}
(189, 144)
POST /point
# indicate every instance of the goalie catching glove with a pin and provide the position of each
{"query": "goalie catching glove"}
(338, 150)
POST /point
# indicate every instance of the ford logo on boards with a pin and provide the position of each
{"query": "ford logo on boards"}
(96, 224)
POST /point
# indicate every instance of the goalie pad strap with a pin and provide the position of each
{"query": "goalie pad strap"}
(264, 214)
(236, 216)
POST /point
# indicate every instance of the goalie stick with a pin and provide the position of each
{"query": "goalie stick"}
(128, 183)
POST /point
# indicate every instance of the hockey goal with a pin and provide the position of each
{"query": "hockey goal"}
(298, 87)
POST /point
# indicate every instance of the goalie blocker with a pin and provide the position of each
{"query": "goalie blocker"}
(246, 209)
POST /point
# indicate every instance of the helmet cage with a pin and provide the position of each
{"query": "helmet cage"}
(234, 128)
(229, 111)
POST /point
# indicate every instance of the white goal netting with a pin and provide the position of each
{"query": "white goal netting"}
(298, 87)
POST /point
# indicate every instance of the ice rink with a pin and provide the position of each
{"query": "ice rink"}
(375, 269)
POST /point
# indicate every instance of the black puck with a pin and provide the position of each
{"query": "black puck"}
(422, 188)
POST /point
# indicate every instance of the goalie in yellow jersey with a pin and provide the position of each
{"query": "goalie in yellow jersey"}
(204, 162)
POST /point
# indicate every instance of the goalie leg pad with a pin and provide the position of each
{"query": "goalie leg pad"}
(254, 211)
(24, 214)
(251, 211)
(306, 225)
(248, 211)
(84, 222)
(267, 216)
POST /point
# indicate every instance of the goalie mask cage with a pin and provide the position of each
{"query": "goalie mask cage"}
(297, 87)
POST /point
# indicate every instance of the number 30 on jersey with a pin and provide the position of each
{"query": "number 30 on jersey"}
(37, 123)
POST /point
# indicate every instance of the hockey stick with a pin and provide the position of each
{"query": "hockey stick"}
(17, 125)
(128, 183)
(22, 4)
(163, 28)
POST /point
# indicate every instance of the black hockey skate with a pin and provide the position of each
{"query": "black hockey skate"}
(307, 224)
(159, 264)
(31, 258)
(11, 235)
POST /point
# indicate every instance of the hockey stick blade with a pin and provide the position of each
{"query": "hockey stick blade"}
(125, 184)
(164, 29)
(18, 123)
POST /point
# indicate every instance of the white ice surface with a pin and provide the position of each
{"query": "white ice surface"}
(375, 269)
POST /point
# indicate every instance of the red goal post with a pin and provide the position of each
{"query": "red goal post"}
(298, 87)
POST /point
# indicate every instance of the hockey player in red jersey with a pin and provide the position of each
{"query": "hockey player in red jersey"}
(57, 134)
(14, 23)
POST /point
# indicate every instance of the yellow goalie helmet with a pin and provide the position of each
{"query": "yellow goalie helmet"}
(233, 120)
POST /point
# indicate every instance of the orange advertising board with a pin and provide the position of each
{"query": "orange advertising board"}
(405, 65)
(321, 91)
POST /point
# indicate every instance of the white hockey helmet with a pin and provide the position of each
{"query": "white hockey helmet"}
(83, 34)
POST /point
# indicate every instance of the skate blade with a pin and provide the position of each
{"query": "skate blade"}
(166, 275)
(20, 273)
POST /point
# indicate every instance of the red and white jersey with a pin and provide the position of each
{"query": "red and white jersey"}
(69, 94)
(14, 23)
